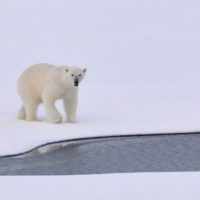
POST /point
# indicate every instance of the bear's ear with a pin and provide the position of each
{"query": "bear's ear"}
(65, 68)
(84, 70)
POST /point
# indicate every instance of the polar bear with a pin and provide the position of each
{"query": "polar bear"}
(46, 83)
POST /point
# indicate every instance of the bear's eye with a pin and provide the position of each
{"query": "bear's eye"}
(72, 74)
(80, 75)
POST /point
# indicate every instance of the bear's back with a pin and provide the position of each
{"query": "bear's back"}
(32, 80)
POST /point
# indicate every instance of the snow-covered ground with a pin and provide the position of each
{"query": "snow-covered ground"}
(141, 186)
(142, 58)
(106, 110)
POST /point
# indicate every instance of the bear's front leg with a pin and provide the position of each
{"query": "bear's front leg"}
(52, 113)
(70, 109)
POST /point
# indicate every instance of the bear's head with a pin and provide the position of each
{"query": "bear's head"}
(74, 75)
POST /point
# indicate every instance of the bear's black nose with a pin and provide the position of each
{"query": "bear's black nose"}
(76, 83)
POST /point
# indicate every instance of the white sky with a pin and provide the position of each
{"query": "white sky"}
(122, 40)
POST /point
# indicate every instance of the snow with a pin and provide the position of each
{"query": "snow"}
(141, 186)
(142, 59)
(104, 112)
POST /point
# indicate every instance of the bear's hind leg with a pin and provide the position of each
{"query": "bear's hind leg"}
(31, 110)
(52, 113)
(22, 113)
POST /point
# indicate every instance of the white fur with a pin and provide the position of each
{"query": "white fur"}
(46, 83)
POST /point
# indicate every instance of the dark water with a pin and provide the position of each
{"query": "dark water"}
(155, 153)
